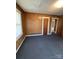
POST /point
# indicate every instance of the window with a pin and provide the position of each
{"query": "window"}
(18, 24)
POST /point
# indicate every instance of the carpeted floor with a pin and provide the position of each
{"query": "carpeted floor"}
(41, 47)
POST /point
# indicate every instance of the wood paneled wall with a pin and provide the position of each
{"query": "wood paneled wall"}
(32, 23)
(60, 26)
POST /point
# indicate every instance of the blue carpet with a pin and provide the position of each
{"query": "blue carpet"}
(41, 47)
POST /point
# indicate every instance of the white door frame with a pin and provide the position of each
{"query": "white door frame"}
(43, 25)
(56, 24)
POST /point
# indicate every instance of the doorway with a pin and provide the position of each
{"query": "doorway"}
(45, 25)
(54, 25)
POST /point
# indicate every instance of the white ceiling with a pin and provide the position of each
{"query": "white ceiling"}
(40, 6)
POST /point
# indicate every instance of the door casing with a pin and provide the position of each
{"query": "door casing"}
(56, 25)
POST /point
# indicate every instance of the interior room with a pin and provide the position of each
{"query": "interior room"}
(39, 29)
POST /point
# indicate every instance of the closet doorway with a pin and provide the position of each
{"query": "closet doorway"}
(54, 25)
(45, 25)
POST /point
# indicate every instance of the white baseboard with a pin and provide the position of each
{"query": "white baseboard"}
(33, 35)
(20, 44)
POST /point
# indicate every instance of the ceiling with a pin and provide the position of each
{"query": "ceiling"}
(40, 6)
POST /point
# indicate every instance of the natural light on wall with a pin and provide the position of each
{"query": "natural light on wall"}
(59, 4)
